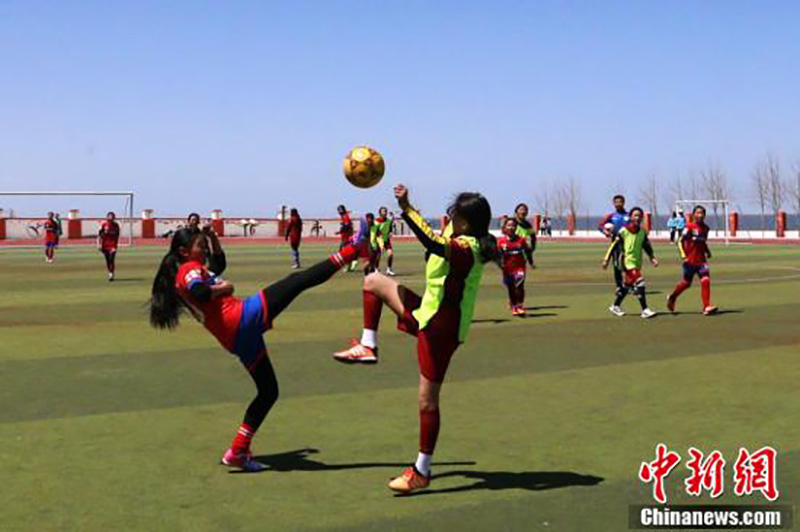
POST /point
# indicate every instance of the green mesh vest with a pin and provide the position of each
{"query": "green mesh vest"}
(436, 271)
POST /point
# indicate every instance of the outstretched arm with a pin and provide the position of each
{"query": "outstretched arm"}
(432, 242)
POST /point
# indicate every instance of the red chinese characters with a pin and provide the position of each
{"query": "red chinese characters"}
(756, 472)
(706, 474)
(657, 470)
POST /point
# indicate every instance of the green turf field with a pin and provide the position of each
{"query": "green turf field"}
(106, 424)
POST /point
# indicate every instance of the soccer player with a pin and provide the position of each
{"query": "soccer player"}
(294, 234)
(107, 240)
(384, 225)
(188, 280)
(193, 221)
(524, 227)
(50, 237)
(440, 319)
(629, 242)
(514, 252)
(610, 226)
(345, 232)
(693, 247)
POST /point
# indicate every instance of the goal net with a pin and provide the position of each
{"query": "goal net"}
(23, 213)
(717, 212)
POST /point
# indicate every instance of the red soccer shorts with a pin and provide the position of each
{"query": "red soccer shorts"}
(631, 276)
(437, 343)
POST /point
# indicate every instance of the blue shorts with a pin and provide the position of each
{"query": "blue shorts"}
(249, 345)
(689, 271)
(51, 244)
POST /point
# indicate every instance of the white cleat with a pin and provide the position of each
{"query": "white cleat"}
(390, 273)
(616, 310)
(648, 313)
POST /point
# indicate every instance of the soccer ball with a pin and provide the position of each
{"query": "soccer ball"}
(364, 167)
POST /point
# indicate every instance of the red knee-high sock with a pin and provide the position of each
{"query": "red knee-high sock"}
(372, 311)
(428, 430)
(705, 291)
(345, 256)
(241, 443)
(680, 288)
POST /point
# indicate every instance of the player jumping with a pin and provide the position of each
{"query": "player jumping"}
(629, 242)
(188, 279)
(440, 319)
(514, 252)
(693, 247)
(107, 240)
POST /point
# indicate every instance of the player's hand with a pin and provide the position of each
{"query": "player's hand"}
(655, 262)
(401, 194)
(605, 264)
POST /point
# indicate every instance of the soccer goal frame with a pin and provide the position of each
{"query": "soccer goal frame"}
(126, 220)
(687, 206)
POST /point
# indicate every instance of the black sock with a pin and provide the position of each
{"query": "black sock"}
(281, 293)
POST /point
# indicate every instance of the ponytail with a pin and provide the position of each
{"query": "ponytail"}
(475, 209)
(166, 305)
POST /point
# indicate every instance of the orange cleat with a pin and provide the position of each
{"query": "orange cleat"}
(357, 354)
(410, 480)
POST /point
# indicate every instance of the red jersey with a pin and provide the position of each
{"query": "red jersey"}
(50, 231)
(694, 243)
(221, 315)
(109, 235)
(513, 251)
(346, 228)
(294, 230)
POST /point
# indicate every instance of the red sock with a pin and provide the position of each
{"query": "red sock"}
(345, 256)
(241, 443)
(680, 288)
(428, 430)
(372, 311)
(705, 291)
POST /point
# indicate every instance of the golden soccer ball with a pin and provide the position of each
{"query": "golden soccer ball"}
(364, 167)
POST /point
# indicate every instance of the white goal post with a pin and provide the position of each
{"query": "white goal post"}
(26, 227)
(713, 207)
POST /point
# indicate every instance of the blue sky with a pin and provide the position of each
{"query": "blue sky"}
(249, 105)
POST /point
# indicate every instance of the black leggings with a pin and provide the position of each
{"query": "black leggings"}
(279, 295)
(110, 256)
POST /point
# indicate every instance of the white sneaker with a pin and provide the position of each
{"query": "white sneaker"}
(616, 310)
(390, 273)
(648, 313)
(110, 276)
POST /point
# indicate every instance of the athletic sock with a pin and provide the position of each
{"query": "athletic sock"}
(241, 443)
(372, 310)
(679, 289)
(705, 291)
(621, 293)
(428, 430)
(345, 256)
(423, 464)
(369, 338)
(640, 293)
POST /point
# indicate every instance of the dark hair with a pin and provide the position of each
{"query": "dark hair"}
(475, 209)
(619, 196)
(191, 215)
(369, 215)
(112, 213)
(699, 207)
(294, 212)
(166, 305)
(341, 208)
(630, 213)
(521, 205)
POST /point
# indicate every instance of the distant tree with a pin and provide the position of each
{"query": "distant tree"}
(714, 183)
(793, 189)
(761, 190)
(572, 194)
(649, 194)
(543, 199)
(776, 189)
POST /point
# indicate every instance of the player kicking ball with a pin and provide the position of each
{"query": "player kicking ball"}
(188, 279)
(440, 319)
(693, 247)
(630, 242)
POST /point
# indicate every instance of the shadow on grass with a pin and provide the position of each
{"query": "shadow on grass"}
(507, 480)
(547, 307)
(537, 315)
(299, 460)
(492, 320)
(717, 313)
(128, 280)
